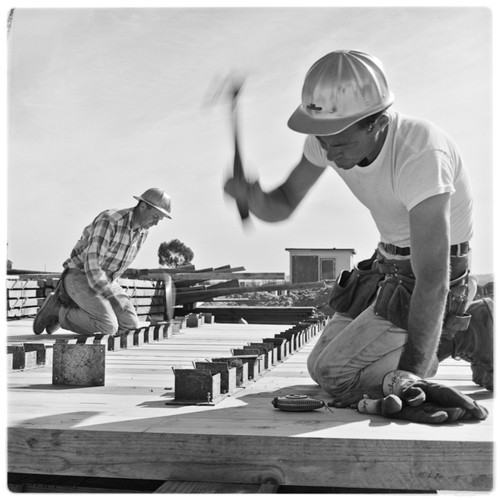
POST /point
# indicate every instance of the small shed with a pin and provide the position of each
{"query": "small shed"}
(317, 264)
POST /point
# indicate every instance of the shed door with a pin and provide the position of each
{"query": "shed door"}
(327, 269)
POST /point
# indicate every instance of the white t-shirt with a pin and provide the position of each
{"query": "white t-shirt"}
(418, 160)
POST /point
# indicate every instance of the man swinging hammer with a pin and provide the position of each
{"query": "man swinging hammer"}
(409, 307)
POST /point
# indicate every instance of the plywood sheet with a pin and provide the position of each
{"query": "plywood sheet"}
(125, 429)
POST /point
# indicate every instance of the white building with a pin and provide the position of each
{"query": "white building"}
(318, 264)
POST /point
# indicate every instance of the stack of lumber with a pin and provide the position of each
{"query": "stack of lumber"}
(259, 315)
(148, 297)
(26, 290)
(26, 294)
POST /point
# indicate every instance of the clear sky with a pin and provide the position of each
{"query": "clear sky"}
(106, 103)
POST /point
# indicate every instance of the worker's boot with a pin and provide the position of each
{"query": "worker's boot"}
(48, 315)
(474, 344)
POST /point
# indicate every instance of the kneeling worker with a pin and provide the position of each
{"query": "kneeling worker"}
(410, 306)
(88, 298)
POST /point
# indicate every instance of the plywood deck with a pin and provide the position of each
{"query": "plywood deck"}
(125, 430)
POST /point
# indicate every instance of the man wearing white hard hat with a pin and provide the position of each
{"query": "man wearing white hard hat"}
(89, 299)
(408, 307)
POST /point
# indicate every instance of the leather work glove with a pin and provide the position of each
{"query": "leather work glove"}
(422, 401)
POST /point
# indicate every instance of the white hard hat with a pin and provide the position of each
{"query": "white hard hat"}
(340, 89)
(158, 199)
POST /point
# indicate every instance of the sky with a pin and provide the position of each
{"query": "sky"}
(104, 103)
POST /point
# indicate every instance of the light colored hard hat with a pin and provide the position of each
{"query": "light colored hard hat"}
(158, 199)
(340, 89)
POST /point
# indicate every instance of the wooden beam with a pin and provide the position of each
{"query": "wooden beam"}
(255, 459)
(225, 276)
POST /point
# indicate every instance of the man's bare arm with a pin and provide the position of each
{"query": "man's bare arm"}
(430, 244)
(278, 204)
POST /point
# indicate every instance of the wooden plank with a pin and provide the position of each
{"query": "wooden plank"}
(23, 302)
(226, 276)
(418, 465)
(19, 284)
(77, 432)
(23, 312)
(23, 293)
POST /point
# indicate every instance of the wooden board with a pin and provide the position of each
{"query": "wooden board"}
(125, 430)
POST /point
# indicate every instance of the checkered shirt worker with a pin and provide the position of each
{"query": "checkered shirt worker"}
(89, 299)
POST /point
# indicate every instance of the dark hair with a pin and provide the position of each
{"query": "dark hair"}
(370, 120)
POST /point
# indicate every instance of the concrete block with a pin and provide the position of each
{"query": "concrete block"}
(79, 364)
(194, 385)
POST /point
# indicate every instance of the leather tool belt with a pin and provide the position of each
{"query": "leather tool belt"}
(455, 250)
(389, 283)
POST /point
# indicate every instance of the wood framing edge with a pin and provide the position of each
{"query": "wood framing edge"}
(334, 462)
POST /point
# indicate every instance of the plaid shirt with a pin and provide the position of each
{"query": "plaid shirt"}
(106, 248)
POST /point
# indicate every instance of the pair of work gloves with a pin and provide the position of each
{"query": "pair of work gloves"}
(409, 397)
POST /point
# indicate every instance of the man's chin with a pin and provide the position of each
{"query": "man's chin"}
(346, 166)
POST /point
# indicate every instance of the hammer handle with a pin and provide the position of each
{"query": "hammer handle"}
(238, 172)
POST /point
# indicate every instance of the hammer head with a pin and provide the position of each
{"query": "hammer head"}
(227, 90)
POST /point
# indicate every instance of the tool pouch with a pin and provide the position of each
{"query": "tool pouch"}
(393, 301)
(457, 303)
(355, 290)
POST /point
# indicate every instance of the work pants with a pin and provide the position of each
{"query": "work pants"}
(355, 354)
(93, 312)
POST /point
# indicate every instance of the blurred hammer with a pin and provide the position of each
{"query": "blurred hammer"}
(232, 87)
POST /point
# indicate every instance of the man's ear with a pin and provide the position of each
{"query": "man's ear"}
(383, 121)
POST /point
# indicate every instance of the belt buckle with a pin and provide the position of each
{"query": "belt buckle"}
(462, 249)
